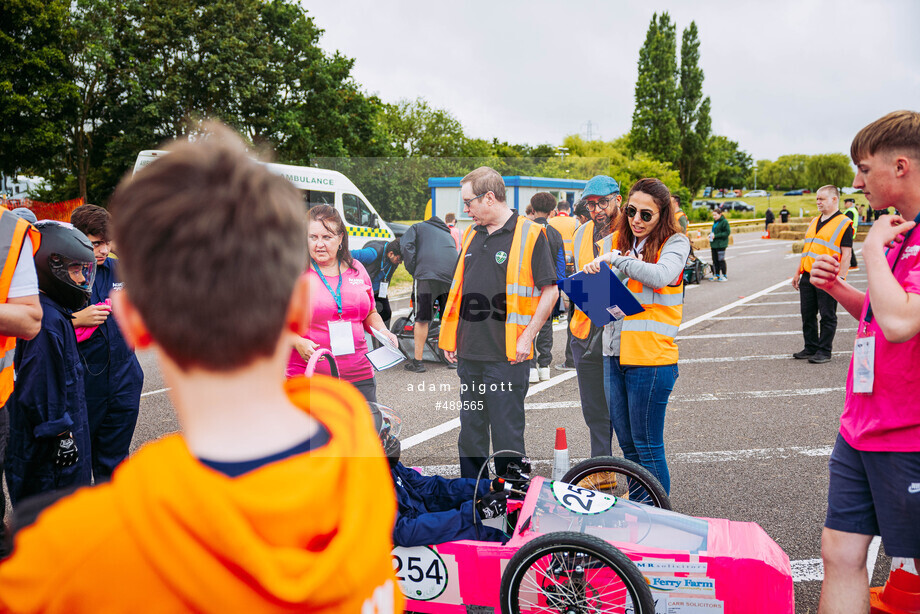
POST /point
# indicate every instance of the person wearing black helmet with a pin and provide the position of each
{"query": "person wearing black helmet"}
(49, 435)
(431, 509)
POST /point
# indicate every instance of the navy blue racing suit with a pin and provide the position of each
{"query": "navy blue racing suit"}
(114, 380)
(433, 510)
(48, 400)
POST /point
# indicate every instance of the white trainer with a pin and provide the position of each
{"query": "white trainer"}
(544, 374)
(534, 376)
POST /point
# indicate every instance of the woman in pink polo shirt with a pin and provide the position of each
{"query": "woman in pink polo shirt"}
(341, 304)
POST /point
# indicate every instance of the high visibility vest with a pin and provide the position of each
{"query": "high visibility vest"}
(647, 338)
(585, 252)
(521, 297)
(855, 213)
(677, 217)
(13, 231)
(826, 241)
(566, 227)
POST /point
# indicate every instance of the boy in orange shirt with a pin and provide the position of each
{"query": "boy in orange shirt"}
(274, 497)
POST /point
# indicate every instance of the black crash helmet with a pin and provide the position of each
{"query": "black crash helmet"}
(65, 264)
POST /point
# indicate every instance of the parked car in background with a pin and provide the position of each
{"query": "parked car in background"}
(736, 205)
(756, 193)
(699, 204)
(794, 193)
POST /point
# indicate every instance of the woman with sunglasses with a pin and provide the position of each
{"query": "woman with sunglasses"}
(640, 356)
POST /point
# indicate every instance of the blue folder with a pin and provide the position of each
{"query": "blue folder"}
(601, 296)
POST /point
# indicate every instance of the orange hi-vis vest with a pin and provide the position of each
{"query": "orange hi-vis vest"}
(13, 231)
(825, 241)
(585, 252)
(520, 294)
(677, 217)
(647, 338)
(566, 227)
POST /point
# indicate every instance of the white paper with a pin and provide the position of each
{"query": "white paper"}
(385, 341)
(384, 286)
(341, 340)
(384, 357)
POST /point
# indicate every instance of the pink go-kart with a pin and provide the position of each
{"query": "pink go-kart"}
(576, 550)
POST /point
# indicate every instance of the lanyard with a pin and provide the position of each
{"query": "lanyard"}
(868, 319)
(337, 295)
(638, 246)
(389, 266)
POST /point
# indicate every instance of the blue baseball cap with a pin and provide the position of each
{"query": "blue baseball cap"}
(601, 185)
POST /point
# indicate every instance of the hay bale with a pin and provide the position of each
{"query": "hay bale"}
(797, 247)
(791, 236)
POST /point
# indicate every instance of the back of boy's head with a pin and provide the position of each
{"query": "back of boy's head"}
(91, 220)
(898, 132)
(210, 244)
(543, 202)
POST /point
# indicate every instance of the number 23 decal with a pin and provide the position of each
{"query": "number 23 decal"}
(582, 500)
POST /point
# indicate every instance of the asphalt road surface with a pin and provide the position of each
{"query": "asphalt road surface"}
(748, 431)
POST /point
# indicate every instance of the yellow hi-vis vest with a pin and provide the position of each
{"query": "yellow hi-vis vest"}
(521, 297)
(826, 241)
(580, 325)
(13, 231)
(647, 338)
(566, 226)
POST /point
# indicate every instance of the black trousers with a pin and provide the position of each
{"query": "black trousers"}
(718, 261)
(492, 397)
(4, 437)
(590, 375)
(543, 346)
(813, 302)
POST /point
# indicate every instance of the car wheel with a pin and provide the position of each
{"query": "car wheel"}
(621, 478)
(573, 572)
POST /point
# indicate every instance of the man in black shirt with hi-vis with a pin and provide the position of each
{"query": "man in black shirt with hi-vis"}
(503, 290)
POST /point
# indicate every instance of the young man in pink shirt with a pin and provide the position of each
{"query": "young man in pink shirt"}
(875, 465)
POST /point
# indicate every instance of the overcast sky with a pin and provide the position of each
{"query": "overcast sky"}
(799, 76)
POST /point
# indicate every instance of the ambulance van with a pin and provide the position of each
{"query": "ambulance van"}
(322, 187)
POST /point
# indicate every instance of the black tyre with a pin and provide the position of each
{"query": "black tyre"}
(573, 572)
(621, 478)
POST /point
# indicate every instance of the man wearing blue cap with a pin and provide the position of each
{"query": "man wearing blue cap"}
(602, 198)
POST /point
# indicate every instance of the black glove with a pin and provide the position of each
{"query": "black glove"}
(492, 505)
(66, 451)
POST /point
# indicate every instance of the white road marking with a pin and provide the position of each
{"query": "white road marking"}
(760, 334)
(730, 306)
(688, 361)
(752, 394)
(779, 315)
(775, 303)
(721, 456)
(153, 392)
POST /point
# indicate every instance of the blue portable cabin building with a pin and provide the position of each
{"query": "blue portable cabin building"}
(445, 194)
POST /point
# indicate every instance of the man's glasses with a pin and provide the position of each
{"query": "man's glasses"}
(645, 214)
(600, 203)
(469, 201)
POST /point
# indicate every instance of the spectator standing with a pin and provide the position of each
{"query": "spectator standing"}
(49, 446)
(853, 213)
(566, 226)
(489, 331)
(20, 315)
(380, 260)
(769, 218)
(602, 199)
(430, 256)
(207, 520)
(581, 214)
(341, 305)
(829, 233)
(784, 215)
(874, 466)
(679, 214)
(112, 376)
(543, 204)
(451, 220)
(640, 355)
(718, 243)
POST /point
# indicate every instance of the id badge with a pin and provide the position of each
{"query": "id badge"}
(341, 341)
(864, 364)
(384, 286)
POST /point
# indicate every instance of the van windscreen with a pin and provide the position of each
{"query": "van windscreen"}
(312, 198)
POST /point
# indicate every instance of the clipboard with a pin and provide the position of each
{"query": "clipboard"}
(602, 296)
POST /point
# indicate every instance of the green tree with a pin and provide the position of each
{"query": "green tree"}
(788, 172)
(693, 121)
(654, 123)
(828, 169)
(37, 93)
(414, 128)
(730, 166)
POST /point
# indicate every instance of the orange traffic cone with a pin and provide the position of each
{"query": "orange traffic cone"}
(766, 234)
(560, 455)
(901, 593)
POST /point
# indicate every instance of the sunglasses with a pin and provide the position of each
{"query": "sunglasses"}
(645, 214)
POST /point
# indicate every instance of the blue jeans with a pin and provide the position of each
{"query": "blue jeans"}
(637, 398)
